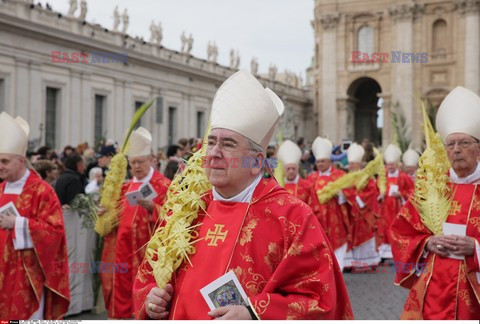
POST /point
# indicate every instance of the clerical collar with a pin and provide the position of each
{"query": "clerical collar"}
(147, 178)
(393, 174)
(326, 173)
(245, 196)
(295, 181)
(16, 188)
(470, 179)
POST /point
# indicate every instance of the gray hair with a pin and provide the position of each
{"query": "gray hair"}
(93, 172)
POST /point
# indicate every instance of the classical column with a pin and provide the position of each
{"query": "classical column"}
(21, 87)
(35, 111)
(403, 17)
(472, 45)
(328, 78)
(87, 116)
(76, 109)
(346, 118)
(118, 110)
(387, 119)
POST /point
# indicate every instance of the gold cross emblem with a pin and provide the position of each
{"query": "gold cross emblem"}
(455, 208)
(216, 235)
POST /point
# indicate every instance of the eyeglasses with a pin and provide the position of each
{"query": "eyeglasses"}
(228, 146)
(462, 144)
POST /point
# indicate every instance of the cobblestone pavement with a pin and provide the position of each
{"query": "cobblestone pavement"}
(373, 297)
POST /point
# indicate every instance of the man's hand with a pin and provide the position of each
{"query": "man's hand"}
(436, 245)
(158, 301)
(396, 194)
(381, 197)
(7, 221)
(147, 204)
(233, 312)
(460, 245)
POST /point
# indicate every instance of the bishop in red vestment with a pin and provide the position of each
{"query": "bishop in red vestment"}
(333, 214)
(289, 154)
(399, 187)
(269, 238)
(442, 271)
(124, 248)
(33, 262)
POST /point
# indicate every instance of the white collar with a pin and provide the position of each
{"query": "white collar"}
(394, 174)
(468, 179)
(326, 173)
(295, 181)
(147, 178)
(245, 196)
(16, 187)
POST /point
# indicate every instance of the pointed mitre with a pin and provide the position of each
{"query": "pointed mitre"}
(322, 148)
(242, 105)
(289, 153)
(17, 131)
(140, 143)
(355, 153)
(459, 113)
(410, 157)
(392, 154)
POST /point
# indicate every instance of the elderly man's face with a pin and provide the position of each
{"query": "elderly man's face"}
(463, 153)
(225, 168)
(11, 167)
(411, 169)
(391, 167)
(354, 166)
(291, 171)
(140, 166)
(323, 164)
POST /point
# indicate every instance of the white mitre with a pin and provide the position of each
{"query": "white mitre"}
(459, 113)
(289, 153)
(410, 157)
(322, 148)
(392, 154)
(242, 105)
(355, 153)
(140, 143)
(16, 133)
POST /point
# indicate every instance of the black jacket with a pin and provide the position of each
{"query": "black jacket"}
(68, 185)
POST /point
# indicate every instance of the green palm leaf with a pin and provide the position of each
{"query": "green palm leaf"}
(136, 118)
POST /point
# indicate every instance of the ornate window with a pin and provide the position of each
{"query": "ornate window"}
(439, 38)
(365, 39)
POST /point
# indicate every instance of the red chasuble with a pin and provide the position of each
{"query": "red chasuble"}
(276, 248)
(447, 288)
(332, 216)
(25, 274)
(363, 219)
(301, 189)
(391, 205)
(124, 248)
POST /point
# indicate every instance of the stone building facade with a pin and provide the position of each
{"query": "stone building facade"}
(69, 103)
(432, 46)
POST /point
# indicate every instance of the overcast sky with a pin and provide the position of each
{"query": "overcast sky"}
(274, 31)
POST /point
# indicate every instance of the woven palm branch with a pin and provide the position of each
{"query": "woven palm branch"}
(112, 186)
(171, 244)
(433, 196)
(358, 178)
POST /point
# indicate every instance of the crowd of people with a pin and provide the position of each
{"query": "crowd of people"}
(287, 238)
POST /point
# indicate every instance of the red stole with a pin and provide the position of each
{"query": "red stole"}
(213, 253)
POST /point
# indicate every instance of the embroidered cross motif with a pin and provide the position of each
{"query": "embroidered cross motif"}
(216, 235)
(455, 208)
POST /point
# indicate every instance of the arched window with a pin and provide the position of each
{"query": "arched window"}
(365, 39)
(439, 38)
